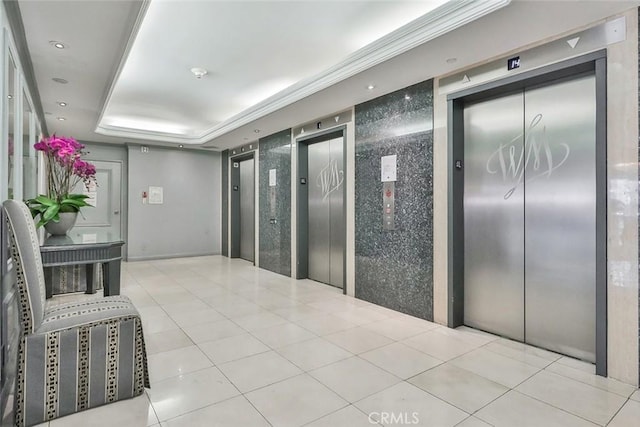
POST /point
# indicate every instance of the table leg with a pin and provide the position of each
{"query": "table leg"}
(91, 289)
(111, 277)
(48, 281)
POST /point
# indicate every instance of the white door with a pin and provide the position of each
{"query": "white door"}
(105, 217)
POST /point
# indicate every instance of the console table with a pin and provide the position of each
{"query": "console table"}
(87, 249)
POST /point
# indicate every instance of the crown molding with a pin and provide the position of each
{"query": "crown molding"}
(439, 21)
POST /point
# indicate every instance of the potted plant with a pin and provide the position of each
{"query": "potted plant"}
(65, 168)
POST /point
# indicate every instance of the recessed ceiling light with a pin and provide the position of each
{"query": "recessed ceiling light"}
(407, 97)
(56, 44)
(62, 119)
(62, 103)
(181, 146)
(199, 72)
(256, 130)
(10, 96)
(452, 60)
(59, 80)
(371, 87)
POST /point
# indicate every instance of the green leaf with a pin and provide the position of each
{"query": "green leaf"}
(77, 196)
(51, 214)
(74, 202)
(45, 200)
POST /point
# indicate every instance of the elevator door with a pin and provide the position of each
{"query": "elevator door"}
(326, 212)
(530, 216)
(247, 213)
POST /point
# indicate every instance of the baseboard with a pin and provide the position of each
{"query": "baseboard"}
(169, 256)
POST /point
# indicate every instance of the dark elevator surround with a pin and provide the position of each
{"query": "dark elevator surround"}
(225, 203)
(395, 268)
(275, 203)
(639, 197)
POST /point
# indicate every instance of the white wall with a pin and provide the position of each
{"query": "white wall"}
(188, 223)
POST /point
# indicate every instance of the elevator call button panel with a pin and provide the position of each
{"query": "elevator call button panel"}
(388, 205)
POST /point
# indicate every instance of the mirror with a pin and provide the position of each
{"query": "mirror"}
(29, 168)
(11, 114)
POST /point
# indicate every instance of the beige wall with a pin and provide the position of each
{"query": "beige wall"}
(622, 223)
(440, 200)
(622, 176)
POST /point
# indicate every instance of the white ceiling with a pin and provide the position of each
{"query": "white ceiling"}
(252, 50)
(272, 64)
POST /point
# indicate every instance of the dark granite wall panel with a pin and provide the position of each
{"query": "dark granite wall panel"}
(275, 203)
(395, 268)
(225, 203)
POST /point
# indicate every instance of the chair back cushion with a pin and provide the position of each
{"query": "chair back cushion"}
(25, 251)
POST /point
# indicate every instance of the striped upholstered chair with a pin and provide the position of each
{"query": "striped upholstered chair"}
(75, 356)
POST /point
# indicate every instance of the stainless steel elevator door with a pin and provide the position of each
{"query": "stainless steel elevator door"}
(560, 217)
(530, 216)
(494, 217)
(326, 212)
(247, 211)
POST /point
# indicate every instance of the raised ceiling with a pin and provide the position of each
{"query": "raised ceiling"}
(271, 64)
(251, 51)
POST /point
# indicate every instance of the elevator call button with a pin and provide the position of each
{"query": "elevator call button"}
(388, 206)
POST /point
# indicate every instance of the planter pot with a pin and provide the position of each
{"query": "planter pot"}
(66, 223)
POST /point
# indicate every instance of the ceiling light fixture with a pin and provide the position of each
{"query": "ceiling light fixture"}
(59, 80)
(10, 96)
(62, 103)
(181, 146)
(407, 97)
(62, 119)
(256, 130)
(199, 72)
(371, 87)
(56, 44)
(452, 60)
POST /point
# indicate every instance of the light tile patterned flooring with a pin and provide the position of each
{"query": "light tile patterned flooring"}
(233, 345)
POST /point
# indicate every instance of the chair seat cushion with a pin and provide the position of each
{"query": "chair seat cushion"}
(91, 310)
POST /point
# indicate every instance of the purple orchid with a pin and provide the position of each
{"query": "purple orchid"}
(65, 167)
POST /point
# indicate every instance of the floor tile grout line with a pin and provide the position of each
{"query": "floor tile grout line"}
(328, 414)
(582, 383)
(155, 413)
(473, 416)
(212, 404)
(485, 346)
(586, 383)
(539, 369)
(558, 408)
(617, 412)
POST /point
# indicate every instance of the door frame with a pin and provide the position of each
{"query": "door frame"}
(122, 201)
(302, 208)
(234, 204)
(594, 62)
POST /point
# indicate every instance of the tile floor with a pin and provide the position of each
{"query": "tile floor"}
(233, 345)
